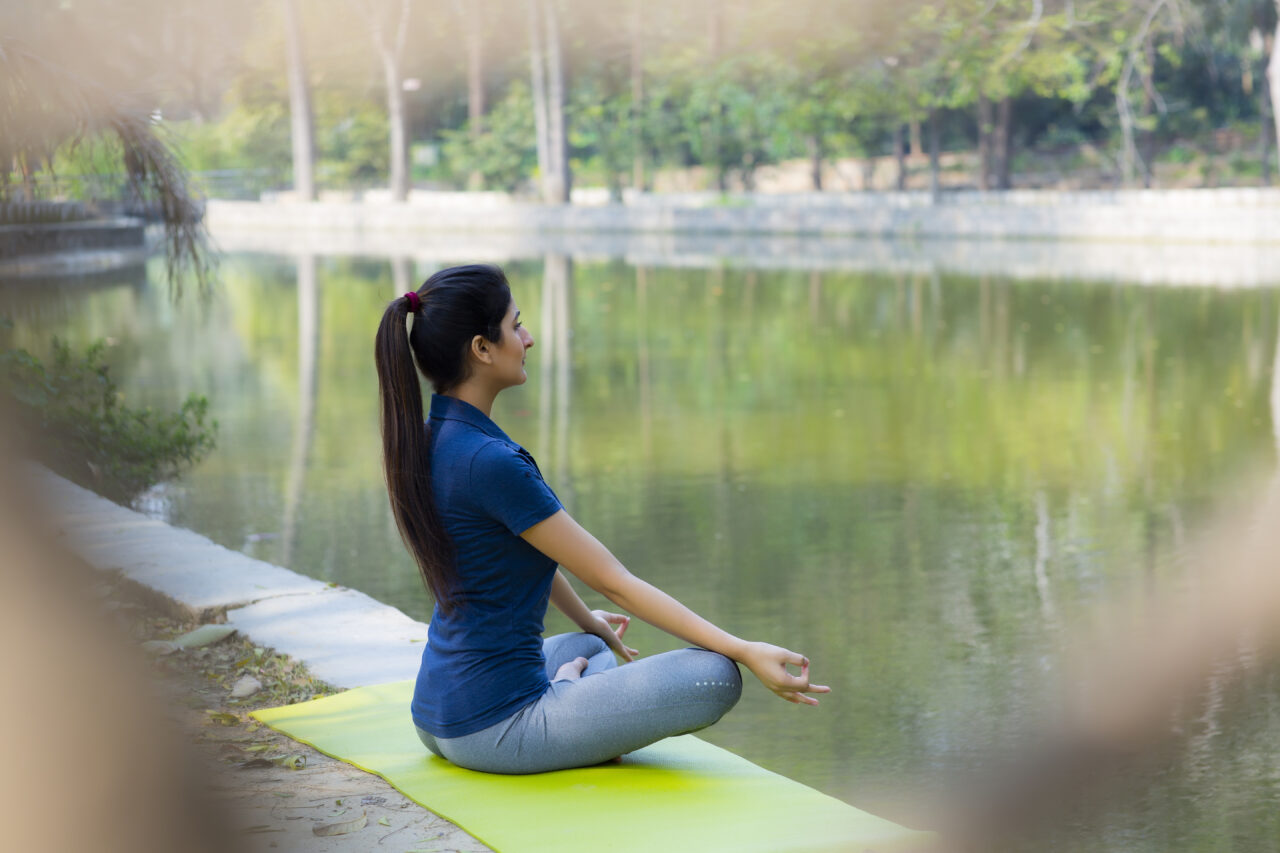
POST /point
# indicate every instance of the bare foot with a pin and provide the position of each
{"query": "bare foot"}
(571, 671)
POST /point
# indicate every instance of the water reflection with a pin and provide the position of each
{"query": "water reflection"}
(556, 368)
(308, 376)
(919, 478)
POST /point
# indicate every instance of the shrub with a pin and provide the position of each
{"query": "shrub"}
(504, 154)
(72, 412)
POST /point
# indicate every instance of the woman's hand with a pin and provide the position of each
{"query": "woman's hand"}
(769, 664)
(603, 628)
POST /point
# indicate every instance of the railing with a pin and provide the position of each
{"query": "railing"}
(41, 212)
(239, 184)
(47, 198)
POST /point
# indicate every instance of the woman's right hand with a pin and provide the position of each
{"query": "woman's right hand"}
(603, 628)
(769, 664)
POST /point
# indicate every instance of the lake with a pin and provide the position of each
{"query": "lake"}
(921, 480)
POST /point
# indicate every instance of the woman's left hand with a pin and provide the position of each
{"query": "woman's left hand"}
(603, 628)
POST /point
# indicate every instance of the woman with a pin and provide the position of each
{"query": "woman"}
(487, 534)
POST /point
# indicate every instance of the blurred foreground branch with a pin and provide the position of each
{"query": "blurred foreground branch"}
(45, 106)
(1142, 663)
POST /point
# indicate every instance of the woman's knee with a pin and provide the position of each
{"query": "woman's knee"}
(714, 673)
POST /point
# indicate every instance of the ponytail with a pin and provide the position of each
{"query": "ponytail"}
(405, 458)
(449, 310)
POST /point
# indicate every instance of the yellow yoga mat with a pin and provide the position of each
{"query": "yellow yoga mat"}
(679, 794)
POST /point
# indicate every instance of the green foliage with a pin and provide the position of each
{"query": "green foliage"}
(73, 411)
(89, 168)
(504, 153)
(603, 127)
(351, 141)
(252, 140)
(729, 115)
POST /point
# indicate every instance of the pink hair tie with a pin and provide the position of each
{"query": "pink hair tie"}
(414, 302)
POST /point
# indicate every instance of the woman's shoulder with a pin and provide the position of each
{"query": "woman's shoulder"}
(497, 457)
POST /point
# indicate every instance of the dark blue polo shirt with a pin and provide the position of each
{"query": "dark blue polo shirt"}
(483, 662)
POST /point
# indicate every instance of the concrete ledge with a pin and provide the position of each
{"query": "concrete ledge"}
(1229, 216)
(345, 637)
(1121, 262)
(83, 262)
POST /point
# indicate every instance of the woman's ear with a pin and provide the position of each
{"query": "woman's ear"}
(480, 350)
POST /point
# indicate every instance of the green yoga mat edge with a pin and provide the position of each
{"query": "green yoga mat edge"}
(258, 715)
(362, 728)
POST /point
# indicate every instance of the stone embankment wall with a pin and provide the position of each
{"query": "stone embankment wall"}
(71, 247)
(1226, 238)
(1203, 216)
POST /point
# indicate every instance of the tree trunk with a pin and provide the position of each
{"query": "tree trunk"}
(715, 42)
(917, 147)
(985, 123)
(637, 97)
(301, 124)
(1147, 140)
(900, 154)
(538, 82)
(305, 428)
(935, 187)
(815, 160)
(557, 126)
(390, 49)
(715, 28)
(395, 123)
(548, 100)
(475, 81)
(1266, 139)
(1273, 75)
(1003, 144)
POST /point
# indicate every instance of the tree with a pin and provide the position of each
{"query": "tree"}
(46, 105)
(547, 82)
(502, 155)
(469, 17)
(1126, 39)
(302, 122)
(1273, 73)
(636, 56)
(388, 23)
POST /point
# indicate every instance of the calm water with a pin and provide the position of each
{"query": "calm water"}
(918, 481)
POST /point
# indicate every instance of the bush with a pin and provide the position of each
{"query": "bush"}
(504, 155)
(72, 411)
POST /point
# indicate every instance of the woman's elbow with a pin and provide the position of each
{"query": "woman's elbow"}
(614, 584)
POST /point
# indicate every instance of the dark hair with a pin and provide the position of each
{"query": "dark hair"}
(456, 305)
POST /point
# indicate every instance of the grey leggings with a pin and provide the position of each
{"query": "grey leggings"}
(609, 711)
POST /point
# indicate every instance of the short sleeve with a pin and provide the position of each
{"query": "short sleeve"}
(507, 485)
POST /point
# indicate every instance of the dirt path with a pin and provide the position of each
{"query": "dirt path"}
(249, 768)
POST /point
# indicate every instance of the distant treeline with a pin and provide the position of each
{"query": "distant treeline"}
(537, 95)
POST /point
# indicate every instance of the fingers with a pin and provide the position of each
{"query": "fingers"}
(625, 652)
(796, 697)
(771, 665)
(620, 619)
(800, 682)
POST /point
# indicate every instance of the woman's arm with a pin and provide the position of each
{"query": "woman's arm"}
(597, 622)
(569, 544)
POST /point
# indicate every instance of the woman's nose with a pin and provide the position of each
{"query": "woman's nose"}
(528, 338)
